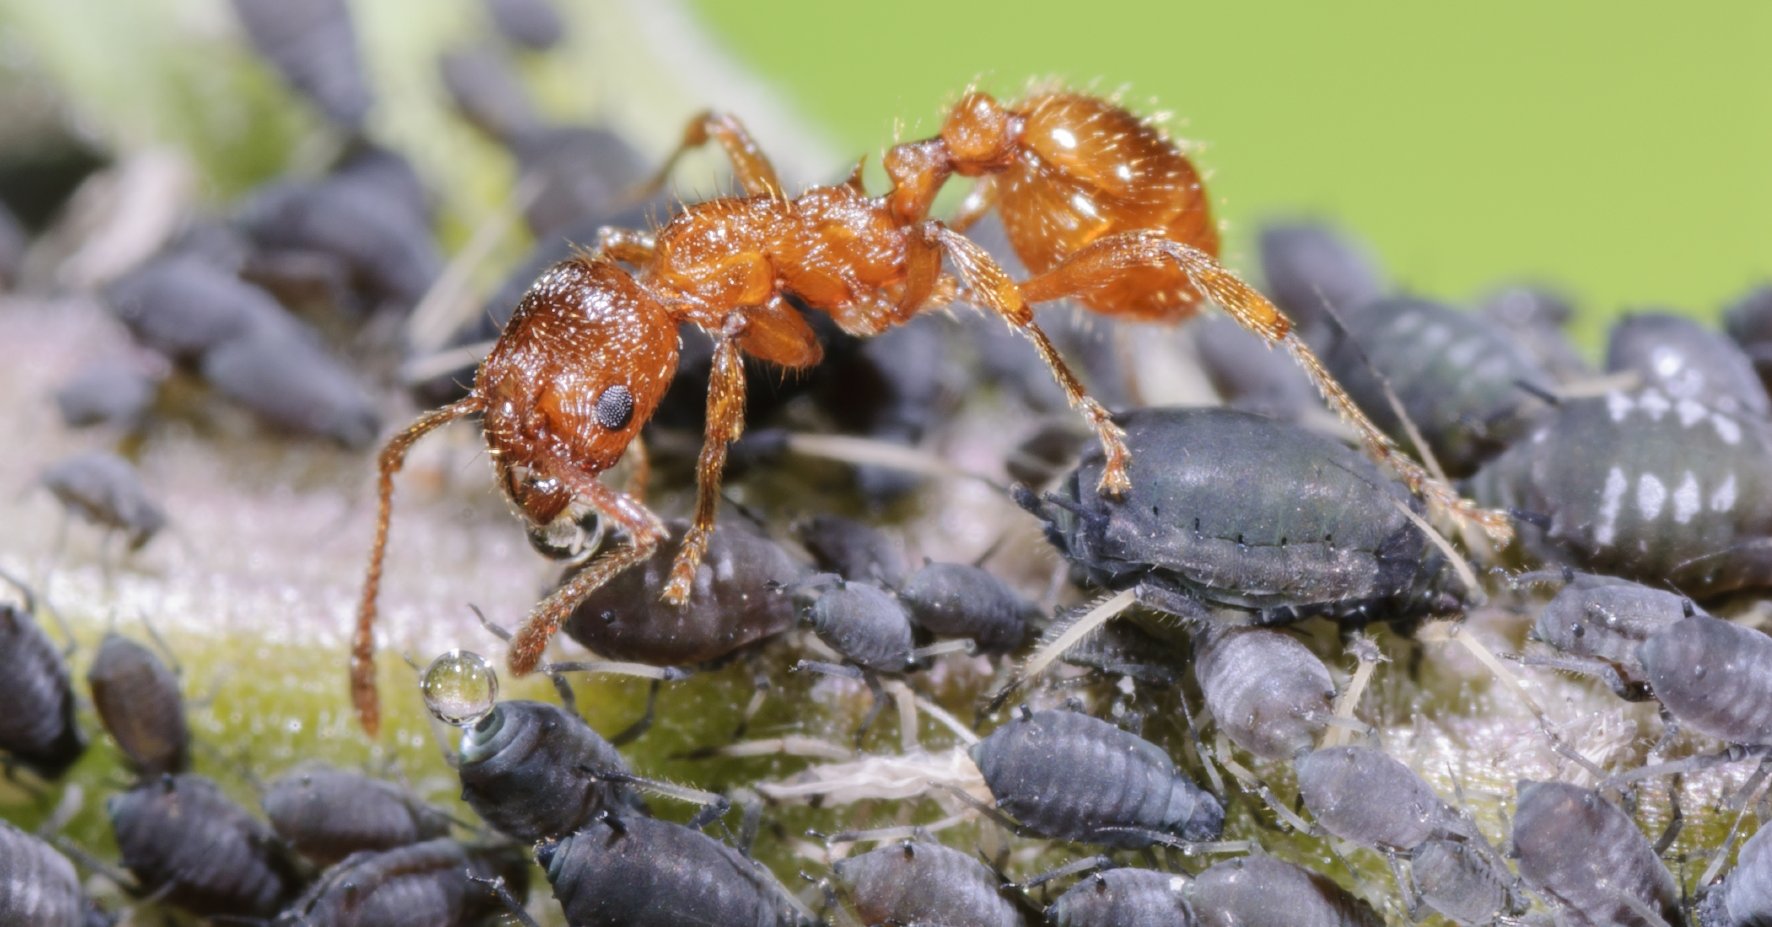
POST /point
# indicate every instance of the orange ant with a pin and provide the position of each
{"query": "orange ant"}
(1100, 205)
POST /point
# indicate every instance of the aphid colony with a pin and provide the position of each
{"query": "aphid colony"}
(1161, 734)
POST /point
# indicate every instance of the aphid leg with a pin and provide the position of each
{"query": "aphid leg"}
(393, 457)
(750, 167)
(1590, 666)
(850, 672)
(645, 533)
(725, 424)
(495, 886)
(1676, 817)
(991, 288)
(1245, 777)
(713, 805)
(643, 723)
(1107, 259)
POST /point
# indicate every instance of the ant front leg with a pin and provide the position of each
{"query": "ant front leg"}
(749, 165)
(993, 289)
(1107, 260)
(725, 424)
(645, 533)
(364, 696)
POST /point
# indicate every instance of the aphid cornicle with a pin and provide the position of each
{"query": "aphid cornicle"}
(1098, 204)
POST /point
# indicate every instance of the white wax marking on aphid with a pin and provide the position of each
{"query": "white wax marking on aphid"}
(1651, 496)
(1462, 354)
(1666, 361)
(1690, 412)
(1618, 405)
(1686, 500)
(1723, 499)
(1435, 335)
(1610, 498)
(1727, 429)
(1654, 403)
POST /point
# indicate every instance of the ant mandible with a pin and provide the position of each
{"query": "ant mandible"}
(1099, 204)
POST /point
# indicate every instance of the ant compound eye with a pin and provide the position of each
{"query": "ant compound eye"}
(615, 407)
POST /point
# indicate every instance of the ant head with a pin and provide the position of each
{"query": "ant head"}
(980, 135)
(580, 368)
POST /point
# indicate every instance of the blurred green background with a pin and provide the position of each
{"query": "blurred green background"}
(1621, 150)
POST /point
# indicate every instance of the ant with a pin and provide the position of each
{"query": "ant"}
(1099, 204)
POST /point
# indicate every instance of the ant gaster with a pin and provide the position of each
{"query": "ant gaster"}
(1099, 204)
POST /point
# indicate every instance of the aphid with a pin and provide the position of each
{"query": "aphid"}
(327, 814)
(37, 728)
(1536, 318)
(182, 306)
(580, 172)
(1465, 883)
(313, 44)
(739, 596)
(429, 884)
(534, 771)
(1124, 898)
(1714, 676)
(957, 600)
(1233, 509)
(926, 883)
(114, 392)
(533, 24)
(1066, 775)
(1749, 322)
(1578, 850)
(1457, 375)
(486, 91)
(852, 549)
(1363, 795)
(193, 847)
(1267, 692)
(863, 623)
(1744, 898)
(106, 490)
(633, 871)
(1098, 204)
(139, 701)
(1310, 268)
(1686, 360)
(1638, 485)
(1260, 891)
(1597, 623)
(38, 886)
(388, 252)
(292, 384)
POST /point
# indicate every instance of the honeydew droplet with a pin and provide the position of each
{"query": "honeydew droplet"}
(460, 688)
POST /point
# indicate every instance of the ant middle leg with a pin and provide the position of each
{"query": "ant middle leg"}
(725, 424)
(993, 289)
(1107, 260)
(749, 165)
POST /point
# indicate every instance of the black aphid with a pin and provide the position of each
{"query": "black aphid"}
(635, 871)
(327, 814)
(194, 848)
(1069, 776)
(926, 883)
(139, 701)
(1581, 852)
(534, 770)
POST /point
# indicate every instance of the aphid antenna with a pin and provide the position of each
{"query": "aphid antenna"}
(791, 745)
(446, 304)
(495, 886)
(444, 361)
(891, 834)
(1084, 866)
(713, 805)
(1624, 380)
(1539, 393)
(853, 450)
(1199, 746)
(1252, 783)
(1459, 564)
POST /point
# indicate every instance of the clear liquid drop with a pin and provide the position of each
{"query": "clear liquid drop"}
(459, 687)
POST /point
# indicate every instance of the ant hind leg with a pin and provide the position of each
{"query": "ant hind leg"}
(1107, 259)
(992, 288)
